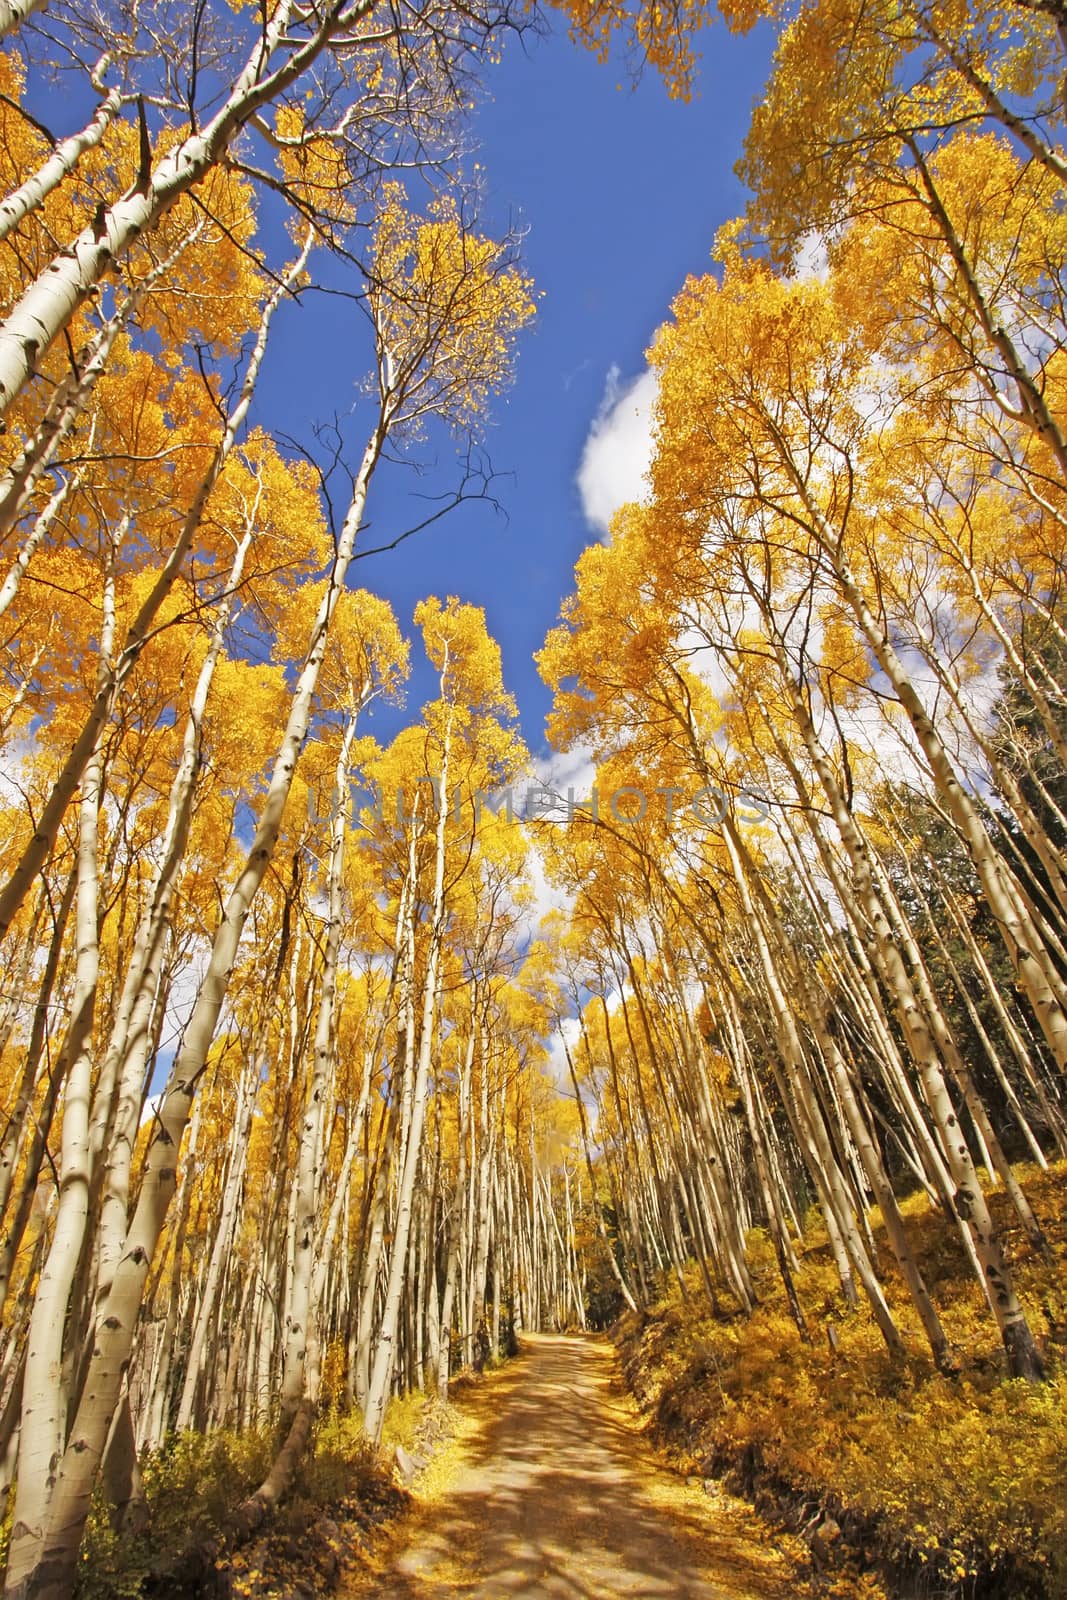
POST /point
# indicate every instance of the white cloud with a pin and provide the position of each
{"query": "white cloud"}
(556, 1065)
(812, 263)
(547, 896)
(14, 759)
(705, 662)
(151, 1106)
(618, 451)
(561, 770)
(569, 776)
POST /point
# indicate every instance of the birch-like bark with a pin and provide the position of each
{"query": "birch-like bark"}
(35, 538)
(1020, 128)
(1042, 984)
(871, 1158)
(110, 687)
(390, 1128)
(13, 13)
(117, 1316)
(598, 1210)
(121, 1084)
(968, 1198)
(17, 988)
(486, 1158)
(47, 306)
(72, 393)
(154, 1419)
(997, 1164)
(992, 1054)
(44, 1400)
(455, 1217)
(1034, 404)
(32, 1059)
(339, 1206)
(1019, 1048)
(382, 1367)
(224, 1231)
(783, 1244)
(36, 188)
(824, 1167)
(301, 1311)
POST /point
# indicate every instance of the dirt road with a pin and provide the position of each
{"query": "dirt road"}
(553, 1495)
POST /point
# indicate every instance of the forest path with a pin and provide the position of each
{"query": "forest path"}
(551, 1493)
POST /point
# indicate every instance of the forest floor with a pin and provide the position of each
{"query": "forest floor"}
(549, 1491)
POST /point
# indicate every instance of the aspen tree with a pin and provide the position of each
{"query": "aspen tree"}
(365, 658)
(470, 694)
(456, 293)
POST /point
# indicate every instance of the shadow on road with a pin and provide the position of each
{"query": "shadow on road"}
(559, 1498)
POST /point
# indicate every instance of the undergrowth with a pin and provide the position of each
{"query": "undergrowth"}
(950, 1486)
(194, 1484)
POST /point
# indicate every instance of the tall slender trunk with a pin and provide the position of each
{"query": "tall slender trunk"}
(49, 304)
(116, 1318)
(385, 1351)
(44, 1398)
(301, 1309)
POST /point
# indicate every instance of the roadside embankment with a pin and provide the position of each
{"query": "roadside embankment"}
(895, 1475)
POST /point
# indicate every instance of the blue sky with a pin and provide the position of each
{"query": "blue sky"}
(620, 192)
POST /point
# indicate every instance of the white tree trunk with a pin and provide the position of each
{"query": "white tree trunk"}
(117, 1316)
(13, 13)
(108, 690)
(48, 304)
(384, 1354)
(301, 1311)
(64, 158)
(44, 1399)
